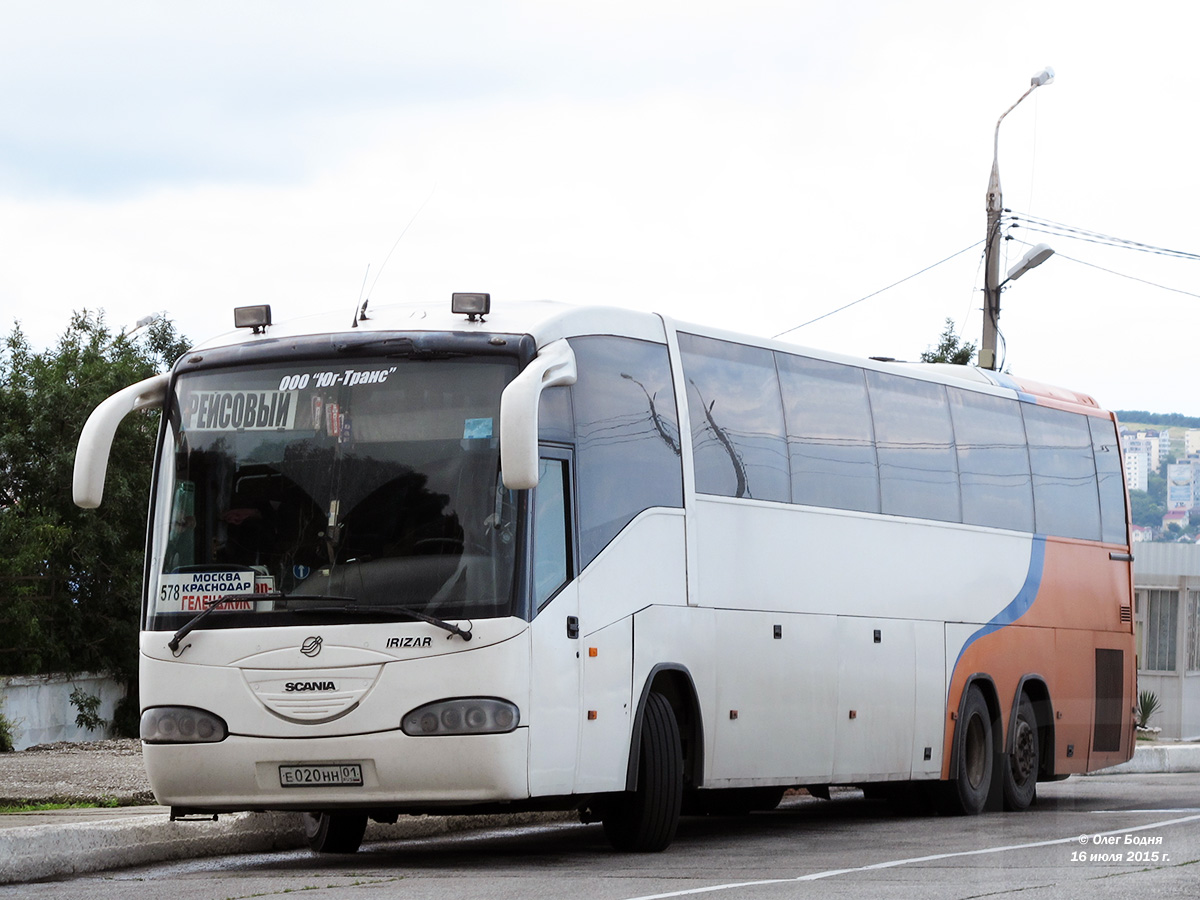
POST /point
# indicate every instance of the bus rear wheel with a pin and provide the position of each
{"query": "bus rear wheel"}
(645, 820)
(1020, 775)
(976, 757)
(335, 832)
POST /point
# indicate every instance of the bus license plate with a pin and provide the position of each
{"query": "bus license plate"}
(321, 775)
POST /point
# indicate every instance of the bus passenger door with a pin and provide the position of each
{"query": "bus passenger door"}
(554, 693)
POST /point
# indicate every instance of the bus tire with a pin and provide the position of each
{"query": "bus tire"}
(644, 821)
(335, 832)
(975, 753)
(1021, 772)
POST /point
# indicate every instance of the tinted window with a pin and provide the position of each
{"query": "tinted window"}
(310, 484)
(918, 473)
(626, 436)
(993, 461)
(551, 525)
(1109, 472)
(1065, 498)
(830, 441)
(555, 420)
(738, 443)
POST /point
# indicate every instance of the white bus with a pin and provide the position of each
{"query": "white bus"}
(556, 557)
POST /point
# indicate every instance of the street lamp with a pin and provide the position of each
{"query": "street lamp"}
(1037, 255)
(995, 204)
(137, 326)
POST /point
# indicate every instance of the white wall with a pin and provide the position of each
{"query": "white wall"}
(1173, 567)
(39, 708)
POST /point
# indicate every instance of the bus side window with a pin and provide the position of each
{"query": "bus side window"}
(739, 444)
(1107, 450)
(1066, 499)
(552, 532)
(831, 442)
(556, 421)
(993, 461)
(918, 469)
(627, 456)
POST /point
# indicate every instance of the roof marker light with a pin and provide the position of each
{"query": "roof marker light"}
(471, 305)
(256, 317)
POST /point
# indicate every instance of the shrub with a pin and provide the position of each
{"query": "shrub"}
(6, 733)
(1147, 706)
(88, 706)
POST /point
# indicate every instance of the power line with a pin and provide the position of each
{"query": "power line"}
(878, 292)
(1083, 262)
(1047, 226)
(1042, 226)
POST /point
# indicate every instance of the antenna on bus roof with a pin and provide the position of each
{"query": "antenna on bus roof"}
(363, 311)
(361, 314)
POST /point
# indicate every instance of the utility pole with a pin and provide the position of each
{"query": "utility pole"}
(995, 206)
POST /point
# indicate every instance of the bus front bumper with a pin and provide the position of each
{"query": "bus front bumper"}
(396, 771)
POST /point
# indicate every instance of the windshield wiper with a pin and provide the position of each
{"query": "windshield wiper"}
(316, 598)
(407, 611)
(349, 602)
(211, 606)
(432, 620)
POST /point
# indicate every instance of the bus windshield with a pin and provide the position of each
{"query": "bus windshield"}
(373, 483)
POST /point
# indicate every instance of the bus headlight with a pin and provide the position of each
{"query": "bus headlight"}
(181, 725)
(468, 715)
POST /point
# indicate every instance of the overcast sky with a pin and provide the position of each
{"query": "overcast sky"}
(750, 165)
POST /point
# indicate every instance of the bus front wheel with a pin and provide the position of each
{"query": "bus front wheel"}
(976, 757)
(645, 820)
(335, 832)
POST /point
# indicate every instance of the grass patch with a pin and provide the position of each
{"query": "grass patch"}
(101, 803)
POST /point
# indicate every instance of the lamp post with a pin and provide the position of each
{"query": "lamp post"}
(995, 204)
(137, 326)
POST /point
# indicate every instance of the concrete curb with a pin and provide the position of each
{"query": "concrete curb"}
(1155, 758)
(40, 852)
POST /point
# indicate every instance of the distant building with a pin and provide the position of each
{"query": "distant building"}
(1143, 453)
(1191, 442)
(1178, 517)
(1142, 533)
(1137, 469)
(1181, 486)
(1156, 443)
(1166, 579)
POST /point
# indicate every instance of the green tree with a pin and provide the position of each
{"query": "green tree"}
(1144, 510)
(70, 578)
(1156, 487)
(950, 349)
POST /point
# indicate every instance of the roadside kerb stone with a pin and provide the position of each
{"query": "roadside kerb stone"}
(40, 852)
(1149, 759)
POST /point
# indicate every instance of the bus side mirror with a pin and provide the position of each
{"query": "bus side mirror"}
(95, 441)
(554, 365)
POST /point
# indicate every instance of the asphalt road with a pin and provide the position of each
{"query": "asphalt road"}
(1095, 837)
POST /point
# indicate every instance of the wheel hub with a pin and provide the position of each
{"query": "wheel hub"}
(976, 755)
(1024, 755)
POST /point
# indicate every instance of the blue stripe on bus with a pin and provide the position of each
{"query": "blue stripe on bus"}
(1021, 603)
(1007, 382)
